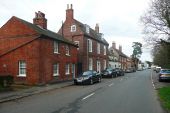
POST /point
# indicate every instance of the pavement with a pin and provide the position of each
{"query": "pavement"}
(156, 83)
(14, 95)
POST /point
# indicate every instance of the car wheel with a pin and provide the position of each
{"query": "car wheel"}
(91, 81)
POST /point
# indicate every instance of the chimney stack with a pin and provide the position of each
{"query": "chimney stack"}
(69, 12)
(40, 20)
(114, 45)
(120, 48)
(97, 28)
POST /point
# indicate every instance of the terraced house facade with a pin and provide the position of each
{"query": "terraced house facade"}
(35, 55)
(93, 48)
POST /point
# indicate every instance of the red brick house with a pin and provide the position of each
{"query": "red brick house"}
(93, 48)
(120, 56)
(35, 55)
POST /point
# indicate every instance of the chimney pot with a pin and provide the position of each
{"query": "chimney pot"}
(69, 12)
(114, 45)
(71, 6)
(120, 48)
(97, 28)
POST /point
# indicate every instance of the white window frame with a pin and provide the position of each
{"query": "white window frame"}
(67, 50)
(78, 44)
(56, 69)
(98, 48)
(73, 28)
(104, 50)
(90, 64)
(22, 67)
(104, 64)
(67, 69)
(56, 47)
(89, 45)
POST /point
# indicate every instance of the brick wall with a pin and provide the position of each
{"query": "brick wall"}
(9, 63)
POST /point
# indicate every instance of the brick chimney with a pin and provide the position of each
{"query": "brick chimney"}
(120, 48)
(97, 28)
(40, 20)
(114, 44)
(69, 12)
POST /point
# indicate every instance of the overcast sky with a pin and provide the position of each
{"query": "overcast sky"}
(118, 19)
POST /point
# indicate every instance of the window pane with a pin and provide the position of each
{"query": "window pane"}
(55, 47)
(89, 42)
(56, 69)
(22, 68)
(67, 69)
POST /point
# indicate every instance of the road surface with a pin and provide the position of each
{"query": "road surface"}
(132, 93)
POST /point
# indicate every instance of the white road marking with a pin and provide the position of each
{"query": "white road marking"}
(121, 79)
(111, 84)
(88, 96)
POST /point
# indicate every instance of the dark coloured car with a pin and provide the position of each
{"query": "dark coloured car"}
(164, 74)
(120, 72)
(88, 77)
(109, 72)
(130, 70)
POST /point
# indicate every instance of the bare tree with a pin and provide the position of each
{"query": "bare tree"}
(156, 22)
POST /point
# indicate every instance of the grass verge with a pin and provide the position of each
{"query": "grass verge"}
(164, 94)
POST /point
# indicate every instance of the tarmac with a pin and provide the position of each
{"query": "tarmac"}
(14, 95)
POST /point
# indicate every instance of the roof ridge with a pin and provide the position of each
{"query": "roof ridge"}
(46, 32)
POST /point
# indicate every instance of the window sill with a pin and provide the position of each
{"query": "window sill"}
(56, 75)
(21, 76)
(68, 55)
(67, 73)
(56, 53)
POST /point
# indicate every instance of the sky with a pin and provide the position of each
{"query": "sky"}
(118, 19)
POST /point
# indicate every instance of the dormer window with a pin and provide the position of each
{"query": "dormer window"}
(87, 28)
(73, 28)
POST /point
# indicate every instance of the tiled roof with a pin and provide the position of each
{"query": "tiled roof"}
(46, 32)
(119, 52)
(92, 33)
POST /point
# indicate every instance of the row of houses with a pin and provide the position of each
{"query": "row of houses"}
(35, 55)
(117, 59)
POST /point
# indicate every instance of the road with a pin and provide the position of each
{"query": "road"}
(132, 93)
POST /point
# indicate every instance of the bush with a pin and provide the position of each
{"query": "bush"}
(6, 81)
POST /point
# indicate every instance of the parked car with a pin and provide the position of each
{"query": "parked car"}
(129, 70)
(120, 72)
(164, 74)
(88, 77)
(109, 72)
